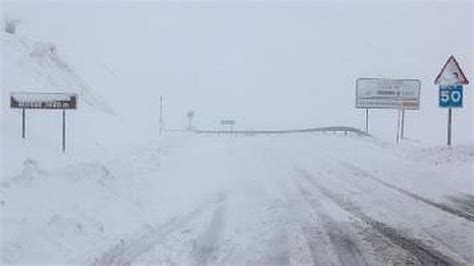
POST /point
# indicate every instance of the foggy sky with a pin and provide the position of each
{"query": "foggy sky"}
(267, 65)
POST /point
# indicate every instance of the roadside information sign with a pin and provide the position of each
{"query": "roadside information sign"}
(388, 93)
(39, 100)
(380, 93)
(34, 100)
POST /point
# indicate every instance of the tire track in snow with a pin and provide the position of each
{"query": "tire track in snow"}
(376, 249)
(206, 246)
(272, 238)
(425, 254)
(464, 202)
(127, 250)
(278, 247)
(363, 173)
(344, 246)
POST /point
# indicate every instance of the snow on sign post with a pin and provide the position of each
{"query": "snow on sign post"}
(379, 93)
(450, 80)
(34, 100)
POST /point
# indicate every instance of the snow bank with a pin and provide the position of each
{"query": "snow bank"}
(73, 212)
(58, 214)
(457, 154)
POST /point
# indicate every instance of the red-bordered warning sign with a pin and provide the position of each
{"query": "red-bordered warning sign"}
(451, 74)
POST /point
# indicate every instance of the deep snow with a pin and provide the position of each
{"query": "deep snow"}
(268, 200)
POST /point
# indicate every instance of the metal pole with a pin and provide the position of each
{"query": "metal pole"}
(161, 115)
(402, 134)
(398, 126)
(367, 120)
(23, 123)
(64, 130)
(399, 111)
(450, 119)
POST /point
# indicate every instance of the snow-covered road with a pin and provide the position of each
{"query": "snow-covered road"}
(284, 200)
(280, 202)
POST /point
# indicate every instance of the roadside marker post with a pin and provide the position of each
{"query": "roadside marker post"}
(450, 80)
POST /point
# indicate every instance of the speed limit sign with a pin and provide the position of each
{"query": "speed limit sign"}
(450, 96)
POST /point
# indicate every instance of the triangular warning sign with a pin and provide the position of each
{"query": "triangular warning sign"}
(451, 74)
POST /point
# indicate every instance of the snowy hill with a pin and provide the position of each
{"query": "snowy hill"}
(33, 66)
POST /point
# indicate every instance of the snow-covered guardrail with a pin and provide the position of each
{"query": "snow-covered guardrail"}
(341, 129)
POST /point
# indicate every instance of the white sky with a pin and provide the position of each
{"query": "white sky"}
(267, 65)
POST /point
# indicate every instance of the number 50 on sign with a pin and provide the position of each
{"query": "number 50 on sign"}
(450, 96)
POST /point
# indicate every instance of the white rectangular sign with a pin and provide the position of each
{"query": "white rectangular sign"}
(388, 93)
(228, 122)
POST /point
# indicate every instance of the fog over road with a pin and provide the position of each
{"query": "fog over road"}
(303, 200)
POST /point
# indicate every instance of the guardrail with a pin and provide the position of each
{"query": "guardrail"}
(341, 129)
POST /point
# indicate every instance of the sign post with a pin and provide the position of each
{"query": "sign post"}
(161, 115)
(402, 133)
(450, 123)
(34, 100)
(230, 123)
(23, 123)
(367, 120)
(190, 115)
(398, 125)
(64, 131)
(450, 81)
